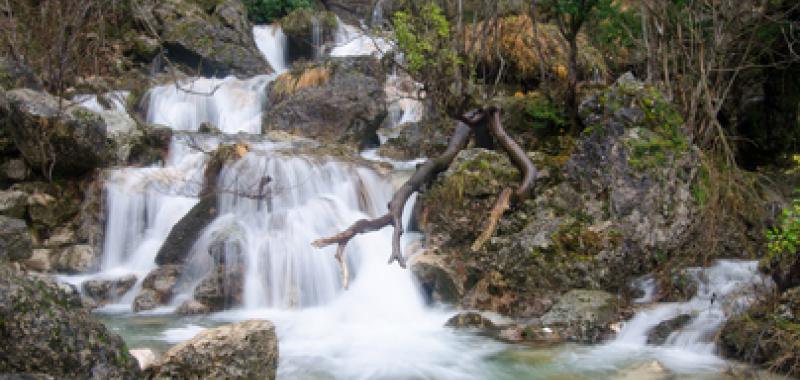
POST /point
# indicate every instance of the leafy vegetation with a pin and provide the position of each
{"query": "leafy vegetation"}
(784, 239)
(267, 11)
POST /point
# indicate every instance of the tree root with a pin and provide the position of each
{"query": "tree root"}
(427, 173)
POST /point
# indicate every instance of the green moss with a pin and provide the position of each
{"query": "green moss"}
(700, 187)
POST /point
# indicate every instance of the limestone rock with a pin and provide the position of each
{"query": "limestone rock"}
(146, 358)
(659, 334)
(39, 260)
(105, 290)
(439, 282)
(583, 315)
(470, 320)
(247, 350)
(13, 203)
(158, 287)
(79, 258)
(192, 307)
(52, 334)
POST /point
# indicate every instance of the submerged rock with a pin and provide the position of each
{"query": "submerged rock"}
(53, 334)
(15, 240)
(104, 291)
(246, 350)
(658, 335)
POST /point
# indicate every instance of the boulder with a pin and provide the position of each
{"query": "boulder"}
(438, 280)
(355, 12)
(52, 334)
(184, 234)
(15, 240)
(103, 291)
(421, 139)
(39, 260)
(61, 237)
(192, 307)
(158, 287)
(331, 102)
(51, 205)
(14, 170)
(222, 288)
(79, 258)
(470, 320)
(583, 315)
(658, 335)
(13, 204)
(55, 134)
(214, 37)
(247, 350)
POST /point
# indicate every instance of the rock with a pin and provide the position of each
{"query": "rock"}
(103, 291)
(653, 370)
(330, 102)
(158, 287)
(39, 260)
(583, 315)
(192, 307)
(79, 258)
(470, 320)
(51, 205)
(13, 203)
(247, 350)
(658, 335)
(15, 240)
(217, 40)
(61, 237)
(146, 358)
(299, 27)
(14, 170)
(439, 282)
(55, 336)
(15, 74)
(75, 136)
(422, 139)
(184, 234)
(354, 12)
(222, 288)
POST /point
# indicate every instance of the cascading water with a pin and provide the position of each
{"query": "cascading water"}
(272, 43)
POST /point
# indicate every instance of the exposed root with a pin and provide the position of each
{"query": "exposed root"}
(424, 174)
(500, 207)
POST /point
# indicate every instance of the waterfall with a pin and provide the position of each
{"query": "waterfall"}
(350, 41)
(230, 104)
(316, 37)
(271, 41)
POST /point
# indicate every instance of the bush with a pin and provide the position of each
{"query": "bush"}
(783, 239)
(267, 11)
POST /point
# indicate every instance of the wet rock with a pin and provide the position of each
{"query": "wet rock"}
(79, 258)
(54, 335)
(158, 287)
(247, 350)
(145, 357)
(653, 370)
(75, 137)
(330, 102)
(184, 234)
(103, 291)
(583, 315)
(39, 260)
(679, 285)
(192, 307)
(215, 38)
(15, 240)
(658, 335)
(13, 203)
(470, 320)
(299, 27)
(222, 289)
(439, 281)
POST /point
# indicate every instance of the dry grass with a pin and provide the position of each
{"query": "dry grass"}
(290, 83)
(526, 50)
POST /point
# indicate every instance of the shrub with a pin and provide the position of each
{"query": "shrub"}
(783, 239)
(267, 11)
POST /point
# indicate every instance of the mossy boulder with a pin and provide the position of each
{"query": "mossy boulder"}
(212, 36)
(54, 335)
(583, 315)
(55, 136)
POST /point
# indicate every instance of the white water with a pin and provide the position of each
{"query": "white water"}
(351, 42)
(232, 105)
(271, 41)
(724, 289)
